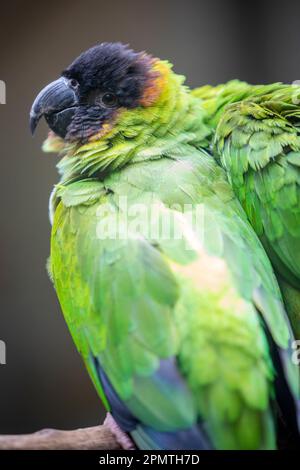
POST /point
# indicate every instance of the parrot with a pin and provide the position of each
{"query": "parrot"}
(256, 139)
(167, 291)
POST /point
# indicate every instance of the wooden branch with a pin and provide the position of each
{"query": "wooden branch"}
(94, 438)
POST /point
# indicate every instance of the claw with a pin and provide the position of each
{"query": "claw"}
(121, 437)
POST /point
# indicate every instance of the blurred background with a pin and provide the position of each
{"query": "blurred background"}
(44, 383)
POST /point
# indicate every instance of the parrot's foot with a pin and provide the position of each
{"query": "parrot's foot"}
(121, 437)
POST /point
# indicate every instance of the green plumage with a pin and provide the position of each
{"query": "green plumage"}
(258, 143)
(202, 299)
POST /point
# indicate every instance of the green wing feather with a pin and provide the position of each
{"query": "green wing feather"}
(133, 301)
(258, 143)
(215, 99)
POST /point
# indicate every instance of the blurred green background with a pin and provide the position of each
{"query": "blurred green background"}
(44, 383)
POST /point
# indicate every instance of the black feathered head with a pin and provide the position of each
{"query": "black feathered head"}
(93, 90)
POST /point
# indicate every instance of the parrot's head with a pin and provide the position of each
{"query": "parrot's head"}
(94, 92)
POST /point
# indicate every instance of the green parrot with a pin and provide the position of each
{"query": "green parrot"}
(167, 291)
(256, 138)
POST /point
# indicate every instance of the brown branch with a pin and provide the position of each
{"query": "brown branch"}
(94, 438)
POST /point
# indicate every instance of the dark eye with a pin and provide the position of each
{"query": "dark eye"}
(109, 99)
(73, 83)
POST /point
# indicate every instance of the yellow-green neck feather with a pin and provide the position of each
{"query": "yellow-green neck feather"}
(174, 120)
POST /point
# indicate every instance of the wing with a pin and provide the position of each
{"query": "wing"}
(169, 326)
(258, 143)
(215, 99)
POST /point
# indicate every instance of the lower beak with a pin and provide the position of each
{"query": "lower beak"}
(58, 103)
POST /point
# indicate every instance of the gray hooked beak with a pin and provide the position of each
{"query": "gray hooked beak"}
(57, 102)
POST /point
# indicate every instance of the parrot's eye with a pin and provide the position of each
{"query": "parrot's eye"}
(73, 83)
(109, 100)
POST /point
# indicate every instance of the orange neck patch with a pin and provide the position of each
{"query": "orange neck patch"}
(156, 83)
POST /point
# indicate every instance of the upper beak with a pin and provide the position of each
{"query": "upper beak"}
(57, 102)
